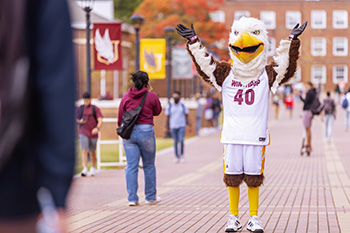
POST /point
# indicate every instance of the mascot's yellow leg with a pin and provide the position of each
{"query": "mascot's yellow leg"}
(233, 193)
(253, 196)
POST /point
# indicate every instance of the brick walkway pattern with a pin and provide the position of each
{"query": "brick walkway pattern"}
(300, 193)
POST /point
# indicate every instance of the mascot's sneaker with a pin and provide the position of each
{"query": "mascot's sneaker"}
(233, 224)
(255, 225)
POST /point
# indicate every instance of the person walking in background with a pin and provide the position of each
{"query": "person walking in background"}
(276, 104)
(337, 93)
(346, 106)
(199, 113)
(307, 116)
(89, 119)
(177, 119)
(216, 111)
(289, 102)
(142, 142)
(329, 115)
(342, 87)
(287, 90)
(37, 94)
(208, 112)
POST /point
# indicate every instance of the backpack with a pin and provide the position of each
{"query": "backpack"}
(329, 106)
(129, 120)
(316, 106)
(345, 103)
(93, 111)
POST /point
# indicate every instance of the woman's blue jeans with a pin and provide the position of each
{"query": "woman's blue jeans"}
(142, 143)
(178, 135)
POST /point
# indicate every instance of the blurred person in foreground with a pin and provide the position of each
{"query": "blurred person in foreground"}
(89, 119)
(37, 148)
(142, 142)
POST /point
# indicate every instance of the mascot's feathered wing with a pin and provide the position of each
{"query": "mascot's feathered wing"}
(245, 87)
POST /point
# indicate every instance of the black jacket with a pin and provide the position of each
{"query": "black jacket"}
(310, 96)
(46, 155)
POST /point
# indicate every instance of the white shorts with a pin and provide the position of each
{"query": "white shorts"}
(244, 159)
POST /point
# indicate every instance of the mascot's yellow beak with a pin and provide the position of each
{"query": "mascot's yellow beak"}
(246, 47)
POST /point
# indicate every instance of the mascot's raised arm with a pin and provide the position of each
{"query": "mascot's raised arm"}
(245, 87)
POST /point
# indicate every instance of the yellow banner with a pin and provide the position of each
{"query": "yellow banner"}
(152, 57)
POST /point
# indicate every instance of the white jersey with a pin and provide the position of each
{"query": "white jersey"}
(246, 110)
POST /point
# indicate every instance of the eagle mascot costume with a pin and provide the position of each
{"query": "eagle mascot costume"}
(245, 87)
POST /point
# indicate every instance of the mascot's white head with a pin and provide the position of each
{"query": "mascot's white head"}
(248, 42)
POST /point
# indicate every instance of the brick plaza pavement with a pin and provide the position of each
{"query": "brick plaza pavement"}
(300, 194)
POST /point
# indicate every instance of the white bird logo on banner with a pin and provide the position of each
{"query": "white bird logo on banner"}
(104, 45)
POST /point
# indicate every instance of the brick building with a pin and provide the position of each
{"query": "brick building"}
(324, 51)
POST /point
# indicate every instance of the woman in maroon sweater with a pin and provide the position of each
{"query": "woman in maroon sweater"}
(142, 142)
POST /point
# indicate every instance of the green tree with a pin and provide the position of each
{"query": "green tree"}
(123, 9)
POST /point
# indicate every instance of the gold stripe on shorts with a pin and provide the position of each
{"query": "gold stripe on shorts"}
(263, 161)
(223, 157)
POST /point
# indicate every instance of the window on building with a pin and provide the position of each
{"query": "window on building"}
(318, 74)
(340, 19)
(217, 16)
(239, 14)
(318, 46)
(271, 47)
(340, 46)
(340, 74)
(269, 19)
(318, 19)
(292, 18)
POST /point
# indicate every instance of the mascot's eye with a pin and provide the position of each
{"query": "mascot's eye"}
(256, 32)
(236, 33)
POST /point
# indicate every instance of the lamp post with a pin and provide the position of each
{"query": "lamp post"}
(137, 21)
(168, 33)
(87, 7)
(169, 30)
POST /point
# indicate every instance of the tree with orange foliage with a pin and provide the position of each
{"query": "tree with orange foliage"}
(161, 13)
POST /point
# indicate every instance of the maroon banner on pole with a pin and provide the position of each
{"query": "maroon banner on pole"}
(107, 46)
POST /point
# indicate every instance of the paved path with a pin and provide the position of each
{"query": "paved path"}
(300, 194)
